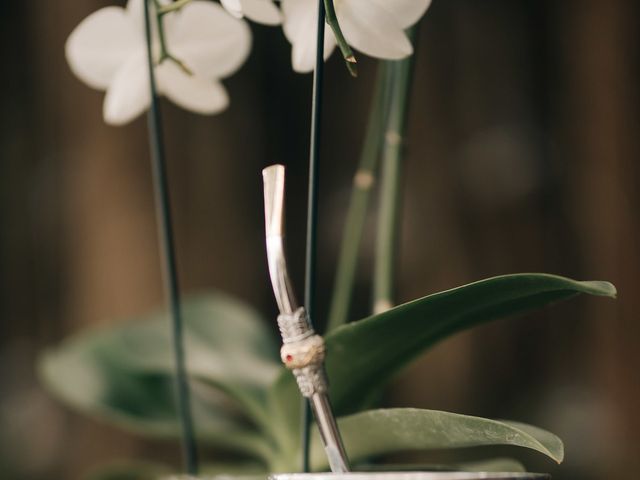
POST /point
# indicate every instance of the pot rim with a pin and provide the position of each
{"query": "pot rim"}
(404, 475)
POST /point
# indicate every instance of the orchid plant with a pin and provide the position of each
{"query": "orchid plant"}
(243, 400)
(246, 403)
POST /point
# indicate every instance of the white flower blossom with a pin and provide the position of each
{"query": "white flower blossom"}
(107, 51)
(374, 27)
(261, 11)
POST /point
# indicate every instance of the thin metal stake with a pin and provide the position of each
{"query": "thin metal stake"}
(312, 208)
(165, 232)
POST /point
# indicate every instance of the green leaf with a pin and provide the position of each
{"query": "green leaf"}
(142, 470)
(377, 432)
(125, 374)
(227, 345)
(220, 476)
(364, 355)
(284, 404)
(224, 471)
(490, 465)
(227, 471)
(128, 470)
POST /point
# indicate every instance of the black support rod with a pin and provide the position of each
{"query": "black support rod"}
(170, 275)
(312, 206)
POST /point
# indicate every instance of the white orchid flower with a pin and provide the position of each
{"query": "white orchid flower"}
(107, 51)
(374, 27)
(261, 11)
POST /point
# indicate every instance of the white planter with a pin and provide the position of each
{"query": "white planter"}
(411, 476)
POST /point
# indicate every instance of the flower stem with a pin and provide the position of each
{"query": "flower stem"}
(312, 209)
(172, 7)
(363, 182)
(392, 155)
(164, 51)
(345, 49)
(170, 274)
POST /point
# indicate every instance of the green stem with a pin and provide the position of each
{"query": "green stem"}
(392, 156)
(345, 49)
(164, 51)
(363, 182)
(172, 7)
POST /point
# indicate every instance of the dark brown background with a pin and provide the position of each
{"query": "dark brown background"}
(522, 156)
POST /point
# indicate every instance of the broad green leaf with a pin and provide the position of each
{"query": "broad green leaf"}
(490, 465)
(142, 402)
(220, 476)
(227, 345)
(364, 355)
(125, 374)
(143, 470)
(129, 470)
(377, 432)
(225, 471)
(284, 403)
(234, 470)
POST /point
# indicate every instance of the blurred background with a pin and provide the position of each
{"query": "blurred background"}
(523, 152)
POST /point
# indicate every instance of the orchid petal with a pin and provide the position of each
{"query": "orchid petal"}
(190, 91)
(233, 7)
(300, 24)
(261, 11)
(100, 44)
(371, 28)
(128, 94)
(406, 12)
(209, 41)
(135, 10)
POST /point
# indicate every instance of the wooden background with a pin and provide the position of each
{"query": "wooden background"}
(522, 156)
